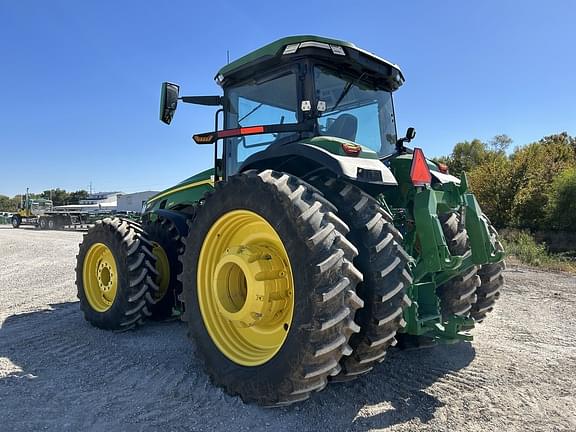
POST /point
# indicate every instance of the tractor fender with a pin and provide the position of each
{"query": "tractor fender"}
(301, 158)
(178, 218)
(445, 178)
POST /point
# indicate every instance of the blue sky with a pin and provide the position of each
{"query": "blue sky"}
(80, 81)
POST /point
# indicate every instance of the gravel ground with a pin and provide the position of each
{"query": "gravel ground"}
(59, 373)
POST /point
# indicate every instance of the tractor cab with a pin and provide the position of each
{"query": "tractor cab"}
(339, 90)
(327, 94)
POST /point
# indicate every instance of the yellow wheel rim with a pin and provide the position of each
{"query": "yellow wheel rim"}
(245, 288)
(163, 269)
(100, 277)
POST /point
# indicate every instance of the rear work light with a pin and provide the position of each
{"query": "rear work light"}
(420, 172)
(292, 48)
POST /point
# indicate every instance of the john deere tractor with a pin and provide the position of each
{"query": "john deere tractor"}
(315, 240)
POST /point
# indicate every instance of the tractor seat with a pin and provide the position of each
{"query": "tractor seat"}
(345, 126)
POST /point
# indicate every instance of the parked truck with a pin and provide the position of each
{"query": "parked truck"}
(40, 213)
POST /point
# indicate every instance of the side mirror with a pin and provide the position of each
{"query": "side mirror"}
(410, 134)
(168, 101)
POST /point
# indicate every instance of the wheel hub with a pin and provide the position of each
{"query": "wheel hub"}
(245, 287)
(250, 286)
(100, 277)
(163, 269)
(105, 276)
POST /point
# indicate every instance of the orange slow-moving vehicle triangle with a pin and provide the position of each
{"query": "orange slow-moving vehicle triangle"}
(419, 172)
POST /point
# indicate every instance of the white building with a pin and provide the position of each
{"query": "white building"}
(134, 201)
(101, 198)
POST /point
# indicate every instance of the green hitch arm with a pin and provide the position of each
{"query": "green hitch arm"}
(435, 255)
(483, 249)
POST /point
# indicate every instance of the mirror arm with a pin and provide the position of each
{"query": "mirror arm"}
(400, 144)
(203, 100)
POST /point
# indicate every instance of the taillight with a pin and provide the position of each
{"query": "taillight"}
(419, 172)
(351, 149)
(443, 168)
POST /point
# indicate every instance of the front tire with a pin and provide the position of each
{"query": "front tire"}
(115, 274)
(16, 221)
(269, 287)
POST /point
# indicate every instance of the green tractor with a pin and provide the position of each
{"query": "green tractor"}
(315, 243)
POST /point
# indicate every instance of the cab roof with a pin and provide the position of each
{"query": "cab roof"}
(294, 45)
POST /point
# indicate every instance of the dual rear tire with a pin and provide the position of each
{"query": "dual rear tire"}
(385, 266)
(269, 288)
(342, 252)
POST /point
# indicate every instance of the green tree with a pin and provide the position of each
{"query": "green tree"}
(5, 203)
(59, 196)
(500, 143)
(561, 209)
(9, 204)
(520, 189)
(75, 197)
(534, 168)
(466, 155)
(491, 183)
(562, 138)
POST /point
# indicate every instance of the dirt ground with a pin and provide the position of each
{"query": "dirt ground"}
(59, 373)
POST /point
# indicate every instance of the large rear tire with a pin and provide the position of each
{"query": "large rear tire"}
(167, 246)
(491, 282)
(269, 287)
(115, 274)
(384, 264)
(458, 294)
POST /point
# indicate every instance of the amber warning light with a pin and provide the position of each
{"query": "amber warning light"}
(212, 137)
(420, 172)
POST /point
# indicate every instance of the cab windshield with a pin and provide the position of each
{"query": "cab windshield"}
(355, 110)
(273, 100)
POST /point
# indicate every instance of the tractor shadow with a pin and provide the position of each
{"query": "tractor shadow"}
(149, 379)
(395, 391)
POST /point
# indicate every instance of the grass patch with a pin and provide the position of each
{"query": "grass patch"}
(522, 245)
